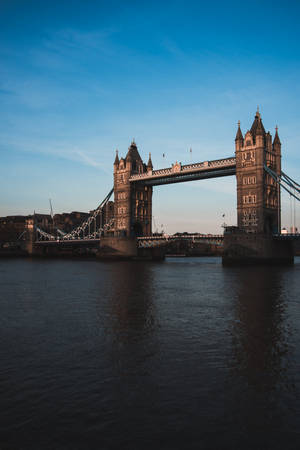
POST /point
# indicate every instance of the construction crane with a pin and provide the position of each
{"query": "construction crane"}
(155, 227)
(51, 209)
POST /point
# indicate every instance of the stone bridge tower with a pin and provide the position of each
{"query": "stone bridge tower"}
(258, 195)
(133, 200)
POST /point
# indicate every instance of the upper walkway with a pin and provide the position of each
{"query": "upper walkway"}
(179, 173)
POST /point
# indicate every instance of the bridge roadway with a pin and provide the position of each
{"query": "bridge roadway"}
(69, 242)
(145, 241)
(179, 173)
(152, 241)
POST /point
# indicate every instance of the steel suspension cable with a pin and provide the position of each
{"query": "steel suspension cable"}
(279, 181)
(292, 181)
(85, 225)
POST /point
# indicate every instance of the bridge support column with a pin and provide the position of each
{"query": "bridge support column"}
(258, 201)
(121, 248)
(247, 248)
(258, 196)
(117, 248)
(30, 234)
(133, 201)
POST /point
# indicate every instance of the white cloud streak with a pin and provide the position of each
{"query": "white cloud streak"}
(86, 159)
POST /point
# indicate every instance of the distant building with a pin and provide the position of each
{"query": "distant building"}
(68, 221)
(293, 230)
(12, 227)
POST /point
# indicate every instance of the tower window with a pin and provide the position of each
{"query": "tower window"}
(121, 195)
(249, 180)
(251, 198)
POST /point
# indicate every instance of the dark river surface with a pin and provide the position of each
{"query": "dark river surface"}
(181, 354)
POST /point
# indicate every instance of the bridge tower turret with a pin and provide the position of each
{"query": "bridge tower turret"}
(133, 200)
(258, 196)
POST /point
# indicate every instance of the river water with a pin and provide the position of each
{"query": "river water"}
(180, 354)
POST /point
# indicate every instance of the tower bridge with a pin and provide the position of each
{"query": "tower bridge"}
(258, 194)
(257, 167)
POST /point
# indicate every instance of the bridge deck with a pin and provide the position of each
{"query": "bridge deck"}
(68, 242)
(148, 240)
(167, 237)
(179, 173)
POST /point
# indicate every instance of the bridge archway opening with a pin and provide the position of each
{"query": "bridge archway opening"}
(137, 229)
(270, 225)
(195, 206)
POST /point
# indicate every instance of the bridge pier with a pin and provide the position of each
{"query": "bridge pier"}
(240, 247)
(114, 247)
(258, 201)
(29, 237)
(120, 248)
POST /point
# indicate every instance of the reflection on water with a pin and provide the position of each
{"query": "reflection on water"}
(131, 316)
(260, 331)
(183, 354)
(132, 301)
(261, 354)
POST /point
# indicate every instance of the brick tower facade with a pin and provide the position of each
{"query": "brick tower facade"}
(133, 201)
(258, 195)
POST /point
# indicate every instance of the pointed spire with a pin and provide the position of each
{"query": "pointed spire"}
(260, 131)
(150, 165)
(257, 128)
(239, 135)
(133, 154)
(117, 158)
(276, 137)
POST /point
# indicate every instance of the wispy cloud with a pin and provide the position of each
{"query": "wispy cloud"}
(33, 93)
(54, 149)
(57, 57)
(72, 41)
(88, 160)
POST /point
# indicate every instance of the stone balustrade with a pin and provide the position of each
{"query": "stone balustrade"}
(187, 168)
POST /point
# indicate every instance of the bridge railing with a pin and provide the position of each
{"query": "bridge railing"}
(156, 241)
(287, 236)
(178, 168)
(181, 236)
(287, 183)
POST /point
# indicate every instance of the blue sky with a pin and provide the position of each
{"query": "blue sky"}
(79, 79)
